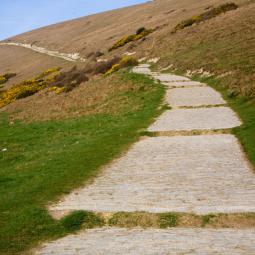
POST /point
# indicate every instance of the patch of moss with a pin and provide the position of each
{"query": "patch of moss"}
(206, 15)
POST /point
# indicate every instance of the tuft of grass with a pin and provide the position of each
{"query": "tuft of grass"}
(42, 161)
(132, 220)
(168, 220)
(81, 219)
(206, 219)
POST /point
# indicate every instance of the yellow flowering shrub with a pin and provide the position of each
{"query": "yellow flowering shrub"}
(206, 15)
(113, 69)
(2, 79)
(54, 71)
(124, 62)
(56, 89)
(5, 77)
(52, 79)
(27, 87)
(131, 38)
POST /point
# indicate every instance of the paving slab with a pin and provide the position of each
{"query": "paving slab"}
(201, 174)
(117, 241)
(170, 78)
(142, 69)
(196, 119)
(176, 84)
(196, 96)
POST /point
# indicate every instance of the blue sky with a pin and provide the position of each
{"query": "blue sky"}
(18, 16)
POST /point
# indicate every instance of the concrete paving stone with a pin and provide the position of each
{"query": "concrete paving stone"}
(116, 241)
(201, 174)
(196, 119)
(176, 84)
(142, 69)
(196, 96)
(170, 78)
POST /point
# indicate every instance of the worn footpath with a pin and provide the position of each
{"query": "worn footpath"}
(193, 164)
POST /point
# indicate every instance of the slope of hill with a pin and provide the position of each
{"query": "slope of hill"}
(53, 143)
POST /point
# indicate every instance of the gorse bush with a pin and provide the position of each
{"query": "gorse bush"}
(206, 15)
(103, 67)
(140, 33)
(140, 30)
(26, 88)
(48, 72)
(5, 77)
(125, 61)
(67, 81)
(52, 79)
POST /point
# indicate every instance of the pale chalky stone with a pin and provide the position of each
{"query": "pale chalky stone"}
(117, 241)
(196, 119)
(196, 96)
(201, 174)
(170, 78)
(142, 69)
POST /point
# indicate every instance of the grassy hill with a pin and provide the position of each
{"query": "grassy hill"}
(51, 143)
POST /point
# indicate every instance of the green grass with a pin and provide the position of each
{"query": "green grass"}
(168, 220)
(81, 219)
(45, 160)
(245, 108)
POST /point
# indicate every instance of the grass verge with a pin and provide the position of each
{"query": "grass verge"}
(41, 161)
(245, 108)
(183, 220)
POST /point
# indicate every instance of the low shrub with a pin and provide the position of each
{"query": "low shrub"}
(103, 67)
(52, 79)
(140, 33)
(5, 77)
(125, 61)
(95, 55)
(140, 30)
(69, 80)
(2, 79)
(22, 90)
(49, 72)
(205, 16)
(79, 219)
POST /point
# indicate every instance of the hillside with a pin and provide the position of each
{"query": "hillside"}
(97, 33)
(68, 112)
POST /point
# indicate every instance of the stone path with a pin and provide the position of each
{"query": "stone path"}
(107, 241)
(73, 57)
(184, 173)
(180, 97)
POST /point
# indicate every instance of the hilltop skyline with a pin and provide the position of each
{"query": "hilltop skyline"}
(21, 16)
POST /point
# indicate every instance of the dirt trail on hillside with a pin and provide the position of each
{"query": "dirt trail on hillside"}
(182, 173)
(73, 57)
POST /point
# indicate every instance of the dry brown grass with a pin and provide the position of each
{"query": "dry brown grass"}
(224, 46)
(182, 220)
(99, 95)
